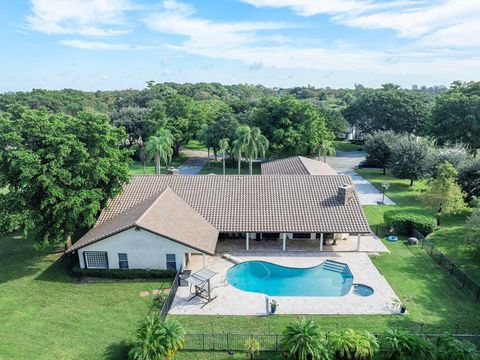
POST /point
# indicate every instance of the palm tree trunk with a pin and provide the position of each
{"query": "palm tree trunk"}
(157, 164)
(325, 159)
(318, 154)
(208, 150)
(411, 182)
(224, 163)
(250, 166)
(239, 159)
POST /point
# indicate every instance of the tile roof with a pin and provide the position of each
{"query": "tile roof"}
(165, 214)
(297, 165)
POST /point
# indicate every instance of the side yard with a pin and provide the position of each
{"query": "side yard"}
(44, 314)
(449, 237)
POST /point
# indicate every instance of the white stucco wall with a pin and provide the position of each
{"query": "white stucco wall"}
(144, 250)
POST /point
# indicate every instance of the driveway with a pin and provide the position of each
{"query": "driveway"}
(195, 162)
(344, 163)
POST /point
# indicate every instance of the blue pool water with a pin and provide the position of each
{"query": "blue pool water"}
(330, 278)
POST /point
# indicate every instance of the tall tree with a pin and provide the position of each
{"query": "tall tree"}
(409, 156)
(443, 194)
(59, 171)
(255, 146)
(456, 115)
(379, 148)
(469, 178)
(389, 108)
(159, 147)
(242, 137)
(325, 149)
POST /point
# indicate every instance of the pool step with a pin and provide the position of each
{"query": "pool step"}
(334, 266)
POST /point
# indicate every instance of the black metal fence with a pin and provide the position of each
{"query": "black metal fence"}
(171, 295)
(273, 342)
(465, 282)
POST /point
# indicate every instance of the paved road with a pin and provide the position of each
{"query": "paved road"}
(344, 163)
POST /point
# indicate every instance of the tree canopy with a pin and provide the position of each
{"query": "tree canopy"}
(409, 156)
(59, 171)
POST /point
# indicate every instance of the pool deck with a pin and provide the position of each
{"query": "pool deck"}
(232, 301)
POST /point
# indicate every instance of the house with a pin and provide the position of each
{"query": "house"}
(159, 221)
(297, 165)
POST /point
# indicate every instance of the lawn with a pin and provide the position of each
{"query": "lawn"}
(136, 167)
(346, 146)
(449, 237)
(195, 145)
(216, 167)
(45, 314)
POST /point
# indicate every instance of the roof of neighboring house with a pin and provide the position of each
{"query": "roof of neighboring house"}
(297, 165)
(165, 214)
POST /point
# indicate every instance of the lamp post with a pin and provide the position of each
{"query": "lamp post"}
(385, 186)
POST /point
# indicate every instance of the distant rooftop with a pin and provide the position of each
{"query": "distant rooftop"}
(297, 165)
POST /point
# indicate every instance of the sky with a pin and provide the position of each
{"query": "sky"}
(118, 44)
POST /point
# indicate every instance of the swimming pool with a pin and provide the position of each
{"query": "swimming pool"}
(330, 278)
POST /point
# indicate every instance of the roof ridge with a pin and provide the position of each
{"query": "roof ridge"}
(303, 164)
(157, 196)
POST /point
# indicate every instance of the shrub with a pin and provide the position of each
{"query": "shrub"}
(350, 344)
(123, 273)
(398, 345)
(252, 348)
(303, 340)
(449, 348)
(406, 219)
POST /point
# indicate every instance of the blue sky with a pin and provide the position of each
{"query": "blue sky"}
(115, 44)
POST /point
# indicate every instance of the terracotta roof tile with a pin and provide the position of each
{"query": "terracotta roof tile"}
(297, 165)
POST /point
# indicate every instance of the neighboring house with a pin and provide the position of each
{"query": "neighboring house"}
(160, 220)
(297, 165)
(355, 134)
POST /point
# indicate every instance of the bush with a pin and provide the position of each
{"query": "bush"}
(123, 273)
(350, 344)
(405, 220)
(449, 348)
(398, 345)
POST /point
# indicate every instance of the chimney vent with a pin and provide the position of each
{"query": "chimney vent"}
(172, 171)
(345, 194)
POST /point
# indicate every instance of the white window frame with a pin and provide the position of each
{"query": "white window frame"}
(167, 262)
(123, 261)
(87, 253)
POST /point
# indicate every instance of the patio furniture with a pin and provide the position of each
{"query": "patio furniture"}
(201, 285)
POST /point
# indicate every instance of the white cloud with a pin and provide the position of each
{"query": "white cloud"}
(81, 17)
(98, 45)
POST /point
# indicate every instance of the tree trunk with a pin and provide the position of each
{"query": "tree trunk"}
(215, 154)
(250, 166)
(239, 159)
(223, 163)
(325, 159)
(157, 164)
(411, 182)
(318, 154)
(69, 241)
(176, 150)
(208, 151)
(384, 171)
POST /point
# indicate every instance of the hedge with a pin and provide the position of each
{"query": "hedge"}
(404, 220)
(123, 273)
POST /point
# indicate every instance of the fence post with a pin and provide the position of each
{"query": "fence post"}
(451, 267)
(478, 293)
(464, 278)
(441, 257)
(276, 342)
(228, 345)
(203, 341)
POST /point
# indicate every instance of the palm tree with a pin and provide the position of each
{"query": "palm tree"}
(156, 339)
(303, 340)
(223, 146)
(159, 146)
(257, 145)
(350, 344)
(325, 149)
(252, 348)
(242, 134)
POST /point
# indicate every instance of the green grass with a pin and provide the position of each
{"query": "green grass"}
(136, 167)
(450, 235)
(222, 355)
(44, 314)
(346, 146)
(216, 167)
(195, 145)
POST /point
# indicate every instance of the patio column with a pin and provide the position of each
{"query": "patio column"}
(247, 241)
(358, 242)
(203, 259)
(284, 241)
(321, 241)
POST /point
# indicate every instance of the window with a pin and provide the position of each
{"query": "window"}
(96, 259)
(123, 261)
(171, 262)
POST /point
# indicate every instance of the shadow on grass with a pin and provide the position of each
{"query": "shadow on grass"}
(58, 271)
(117, 351)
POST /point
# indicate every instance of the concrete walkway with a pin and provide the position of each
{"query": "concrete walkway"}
(344, 163)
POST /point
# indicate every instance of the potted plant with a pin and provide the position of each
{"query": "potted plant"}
(401, 304)
(273, 306)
